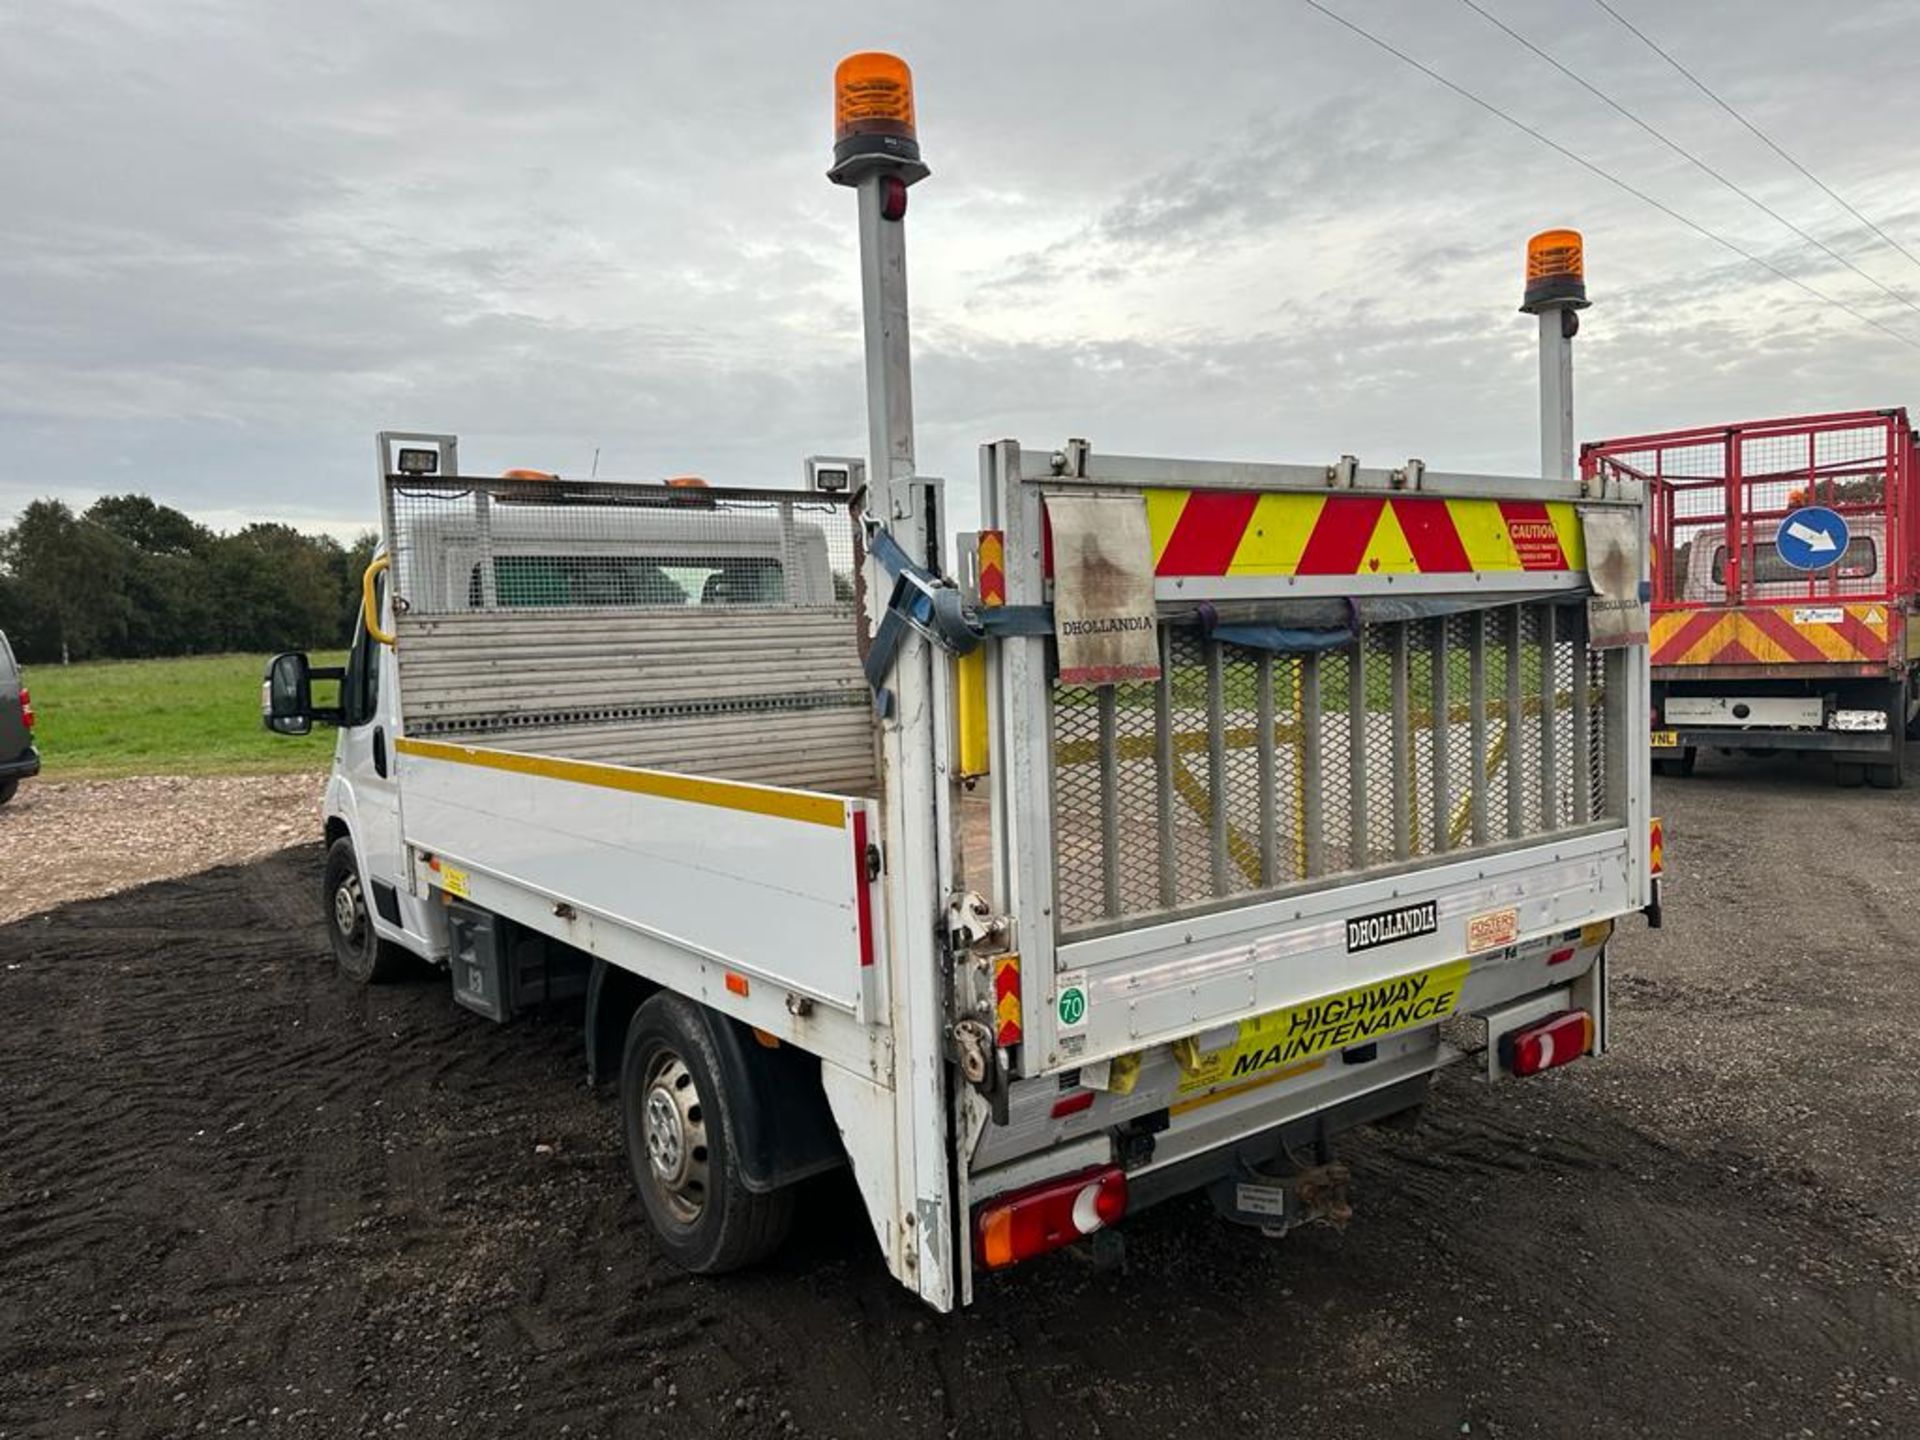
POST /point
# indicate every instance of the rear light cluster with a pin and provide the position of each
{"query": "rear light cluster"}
(1557, 1040)
(1043, 1217)
(26, 707)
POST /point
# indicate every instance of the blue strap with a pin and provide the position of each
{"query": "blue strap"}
(933, 605)
(1281, 640)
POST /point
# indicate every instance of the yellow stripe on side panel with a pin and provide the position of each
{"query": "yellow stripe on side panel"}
(692, 789)
(1483, 534)
(1573, 536)
(1163, 513)
(1276, 535)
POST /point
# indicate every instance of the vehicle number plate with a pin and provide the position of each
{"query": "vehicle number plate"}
(1666, 739)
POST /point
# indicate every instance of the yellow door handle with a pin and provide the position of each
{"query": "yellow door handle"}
(370, 602)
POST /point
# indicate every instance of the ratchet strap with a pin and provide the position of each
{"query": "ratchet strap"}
(932, 605)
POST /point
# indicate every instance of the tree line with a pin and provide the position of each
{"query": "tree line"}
(129, 578)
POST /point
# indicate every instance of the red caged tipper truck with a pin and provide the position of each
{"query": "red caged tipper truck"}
(1785, 569)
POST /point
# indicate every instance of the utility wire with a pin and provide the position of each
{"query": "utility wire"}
(1604, 174)
(1756, 131)
(1685, 154)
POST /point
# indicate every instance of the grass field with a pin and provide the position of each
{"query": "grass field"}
(192, 716)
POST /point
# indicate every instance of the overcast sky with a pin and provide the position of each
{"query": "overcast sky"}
(237, 237)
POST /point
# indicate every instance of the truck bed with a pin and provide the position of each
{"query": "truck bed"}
(758, 882)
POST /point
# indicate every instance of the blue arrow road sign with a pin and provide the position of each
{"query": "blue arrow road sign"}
(1812, 538)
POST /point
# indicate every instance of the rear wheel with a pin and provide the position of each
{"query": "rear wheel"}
(1849, 775)
(7, 789)
(679, 1129)
(361, 954)
(1681, 764)
(1885, 777)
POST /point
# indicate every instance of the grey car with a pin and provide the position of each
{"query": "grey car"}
(18, 758)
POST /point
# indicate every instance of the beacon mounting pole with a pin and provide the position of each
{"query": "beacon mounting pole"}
(1556, 292)
(876, 152)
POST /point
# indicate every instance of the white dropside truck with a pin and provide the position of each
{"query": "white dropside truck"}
(1185, 816)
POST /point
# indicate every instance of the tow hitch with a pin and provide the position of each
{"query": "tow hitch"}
(1275, 1204)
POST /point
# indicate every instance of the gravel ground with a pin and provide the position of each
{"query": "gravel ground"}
(64, 840)
(242, 1196)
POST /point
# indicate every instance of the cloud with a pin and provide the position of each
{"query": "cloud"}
(242, 235)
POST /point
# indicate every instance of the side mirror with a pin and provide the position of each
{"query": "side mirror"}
(286, 695)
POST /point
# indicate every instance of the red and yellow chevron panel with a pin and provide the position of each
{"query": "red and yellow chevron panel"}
(993, 567)
(1656, 847)
(1809, 633)
(1244, 532)
(1006, 1000)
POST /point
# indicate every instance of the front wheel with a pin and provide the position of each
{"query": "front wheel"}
(361, 954)
(7, 790)
(679, 1131)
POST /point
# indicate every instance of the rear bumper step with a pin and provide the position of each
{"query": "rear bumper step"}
(1850, 742)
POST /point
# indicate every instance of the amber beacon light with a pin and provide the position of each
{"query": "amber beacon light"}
(1556, 272)
(873, 122)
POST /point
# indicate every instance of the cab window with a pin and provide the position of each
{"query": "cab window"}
(1860, 560)
(360, 691)
(626, 580)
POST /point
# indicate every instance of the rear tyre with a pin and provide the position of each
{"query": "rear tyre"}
(7, 790)
(360, 954)
(1848, 775)
(1681, 764)
(1885, 777)
(679, 1127)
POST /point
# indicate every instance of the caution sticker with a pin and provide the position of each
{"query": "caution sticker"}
(453, 881)
(1493, 930)
(1334, 1022)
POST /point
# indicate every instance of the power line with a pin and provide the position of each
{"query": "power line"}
(1757, 132)
(1685, 154)
(1604, 174)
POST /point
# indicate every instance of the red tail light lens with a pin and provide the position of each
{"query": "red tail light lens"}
(26, 707)
(1557, 1040)
(1072, 1104)
(1044, 1217)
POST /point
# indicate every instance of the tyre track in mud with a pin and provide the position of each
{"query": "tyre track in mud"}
(238, 1193)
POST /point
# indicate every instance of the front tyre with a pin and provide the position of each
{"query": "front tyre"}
(360, 954)
(679, 1129)
(8, 789)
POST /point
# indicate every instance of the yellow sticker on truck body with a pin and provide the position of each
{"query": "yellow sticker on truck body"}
(1284, 1038)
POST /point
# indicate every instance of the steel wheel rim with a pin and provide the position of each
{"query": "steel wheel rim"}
(674, 1128)
(349, 910)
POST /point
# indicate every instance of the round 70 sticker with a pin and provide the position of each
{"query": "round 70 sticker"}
(1070, 1006)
